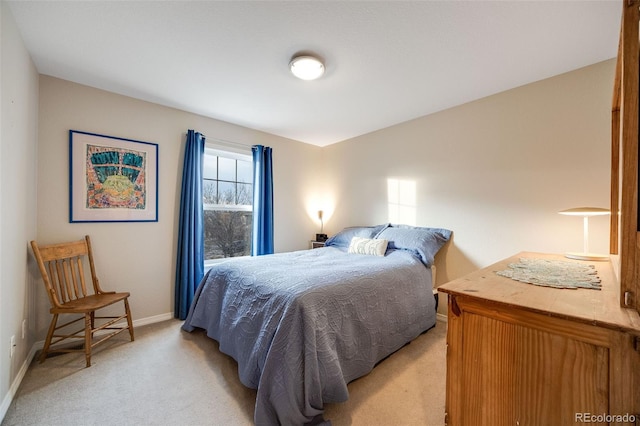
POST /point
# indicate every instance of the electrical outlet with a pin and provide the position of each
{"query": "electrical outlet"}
(13, 346)
(24, 328)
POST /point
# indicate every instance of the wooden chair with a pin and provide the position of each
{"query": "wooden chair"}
(61, 266)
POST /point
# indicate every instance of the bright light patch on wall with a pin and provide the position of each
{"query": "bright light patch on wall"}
(315, 203)
(401, 195)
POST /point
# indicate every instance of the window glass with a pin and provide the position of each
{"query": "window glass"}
(245, 194)
(210, 166)
(210, 191)
(226, 169)
(245, 172)
(226, 193)
(228, 199)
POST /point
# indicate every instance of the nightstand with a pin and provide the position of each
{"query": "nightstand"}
(316, 244)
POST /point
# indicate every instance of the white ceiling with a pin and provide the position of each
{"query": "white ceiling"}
(386, 62)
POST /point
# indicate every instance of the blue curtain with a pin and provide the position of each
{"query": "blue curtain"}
(262, 236)
(190, 262)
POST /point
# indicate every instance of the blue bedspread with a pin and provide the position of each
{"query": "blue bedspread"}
(301, 325)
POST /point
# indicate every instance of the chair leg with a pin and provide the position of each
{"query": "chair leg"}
(129, 321)
(47, 342)
(88, 334)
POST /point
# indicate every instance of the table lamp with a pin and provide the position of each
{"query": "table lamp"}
(321, 236)
(586, 212)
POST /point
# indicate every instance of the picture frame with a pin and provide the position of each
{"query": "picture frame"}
(112, 179)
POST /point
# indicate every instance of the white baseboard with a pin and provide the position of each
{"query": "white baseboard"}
(8, 398)
(153, 319)
(441, 317)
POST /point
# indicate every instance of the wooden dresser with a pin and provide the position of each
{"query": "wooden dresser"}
(521, 354)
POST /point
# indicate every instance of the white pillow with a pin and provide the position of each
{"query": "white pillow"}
(368, 246)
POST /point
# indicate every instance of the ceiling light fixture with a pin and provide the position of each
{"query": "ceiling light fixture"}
(307, 67)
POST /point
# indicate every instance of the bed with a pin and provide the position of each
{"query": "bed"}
(303, 324)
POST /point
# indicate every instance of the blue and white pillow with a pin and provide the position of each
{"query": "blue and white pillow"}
(424, 243)
(343, 238)
(370, 246)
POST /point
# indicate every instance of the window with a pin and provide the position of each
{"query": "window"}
(227, 190)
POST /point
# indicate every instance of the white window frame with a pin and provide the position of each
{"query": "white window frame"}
(235, 154)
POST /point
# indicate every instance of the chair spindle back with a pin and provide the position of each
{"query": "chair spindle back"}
(63, 272)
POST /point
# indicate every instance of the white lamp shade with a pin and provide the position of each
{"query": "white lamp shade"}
(585, 211)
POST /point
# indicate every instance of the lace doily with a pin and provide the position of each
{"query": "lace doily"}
(553, 273)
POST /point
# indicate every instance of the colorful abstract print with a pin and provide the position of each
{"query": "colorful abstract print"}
(115, 178)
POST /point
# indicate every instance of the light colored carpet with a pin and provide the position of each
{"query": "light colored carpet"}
(170, 377)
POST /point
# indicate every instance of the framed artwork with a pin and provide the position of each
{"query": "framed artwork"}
(112, 179)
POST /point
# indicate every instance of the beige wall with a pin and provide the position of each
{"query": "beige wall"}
(140, 257)
(18, 170)
(495, 171)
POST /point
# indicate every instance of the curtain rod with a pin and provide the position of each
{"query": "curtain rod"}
(225, 142)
